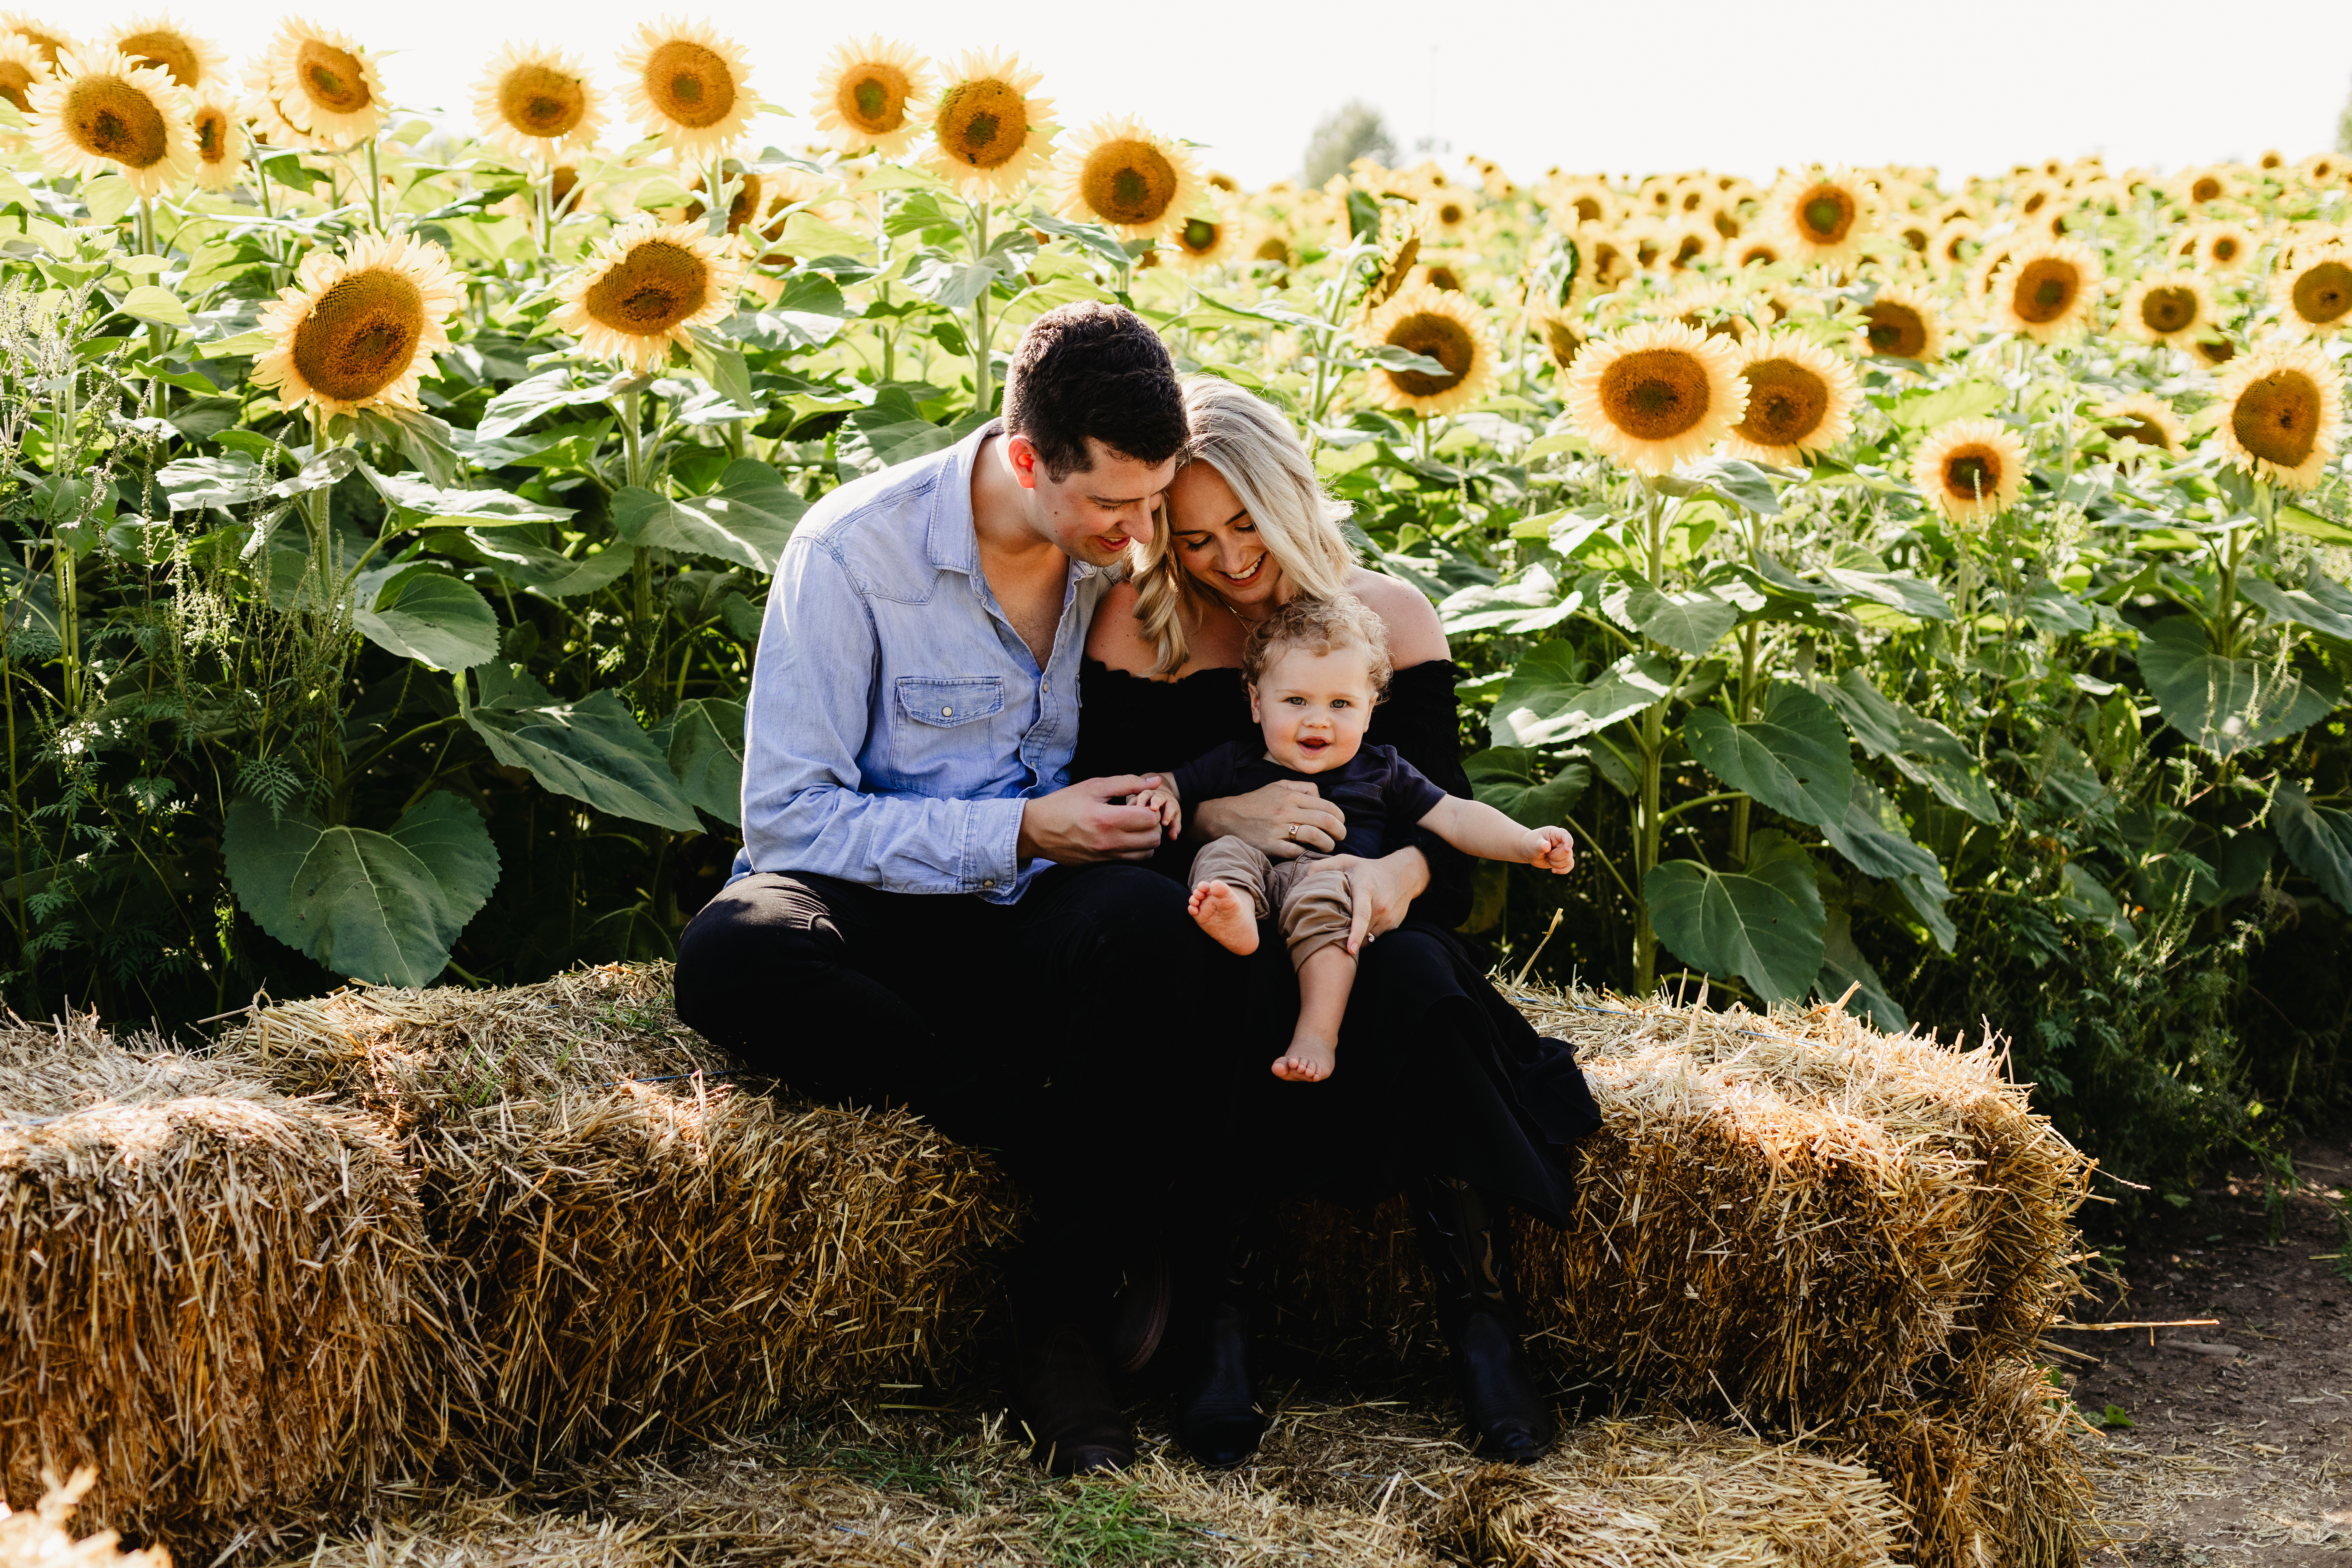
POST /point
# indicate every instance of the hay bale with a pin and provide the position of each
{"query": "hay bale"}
(1987, 1470)
(213, 1295)
(1680, 1493)
(483, 1532)
(1794, 1217)
(1360, 1482)
(640, 1260)
(38, 1538)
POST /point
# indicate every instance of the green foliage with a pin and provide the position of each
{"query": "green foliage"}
(1355, 130)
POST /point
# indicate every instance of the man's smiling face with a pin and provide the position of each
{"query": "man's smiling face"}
(1092, 514)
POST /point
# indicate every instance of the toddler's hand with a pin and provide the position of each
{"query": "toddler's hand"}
(1553, 849)
(1161, 799)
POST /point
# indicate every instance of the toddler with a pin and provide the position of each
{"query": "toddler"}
(1315, 667)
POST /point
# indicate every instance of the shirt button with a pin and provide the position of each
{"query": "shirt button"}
(1049, 688)
(947, 712)
(988, 881)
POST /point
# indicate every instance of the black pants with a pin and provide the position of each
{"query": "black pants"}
(1089, 1034)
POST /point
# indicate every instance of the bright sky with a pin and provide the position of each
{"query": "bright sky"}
(1621, 88)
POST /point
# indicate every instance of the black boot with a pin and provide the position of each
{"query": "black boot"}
(1063, 1387)
(1468, 1250)
(1217, 1418)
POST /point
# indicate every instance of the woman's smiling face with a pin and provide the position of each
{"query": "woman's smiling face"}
(1216, 541)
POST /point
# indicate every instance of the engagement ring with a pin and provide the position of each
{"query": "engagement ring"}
(1293, 831)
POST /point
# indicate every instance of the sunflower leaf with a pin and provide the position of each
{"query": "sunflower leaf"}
(422, 613)
(705, 753)
(1545, 701)
(591, 750)
(2228, 705)
(2318, 840)
(746, 520)
(1765, 925)
(1795, 759)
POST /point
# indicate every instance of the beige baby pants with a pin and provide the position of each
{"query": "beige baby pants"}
(1312, 899)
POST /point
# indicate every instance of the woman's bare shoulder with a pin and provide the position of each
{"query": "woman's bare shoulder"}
(1116, 638)
(1415, 635)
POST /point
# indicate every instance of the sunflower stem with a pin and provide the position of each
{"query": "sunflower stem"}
(983, 387)
(1649, 826)
(159, 390)
(376, 189)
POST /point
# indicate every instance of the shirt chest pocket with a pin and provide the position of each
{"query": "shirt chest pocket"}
(945, 701)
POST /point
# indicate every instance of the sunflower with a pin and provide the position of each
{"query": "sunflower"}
(1444, 327)
(21, 66)
(1561, 339)
(220, 142)
(1588, 201)
(1902, 322)
(645, 289)
(1713, 309)
(1801, 398)
(1655, 393)
(1821, 216)
(2222, 246)
(101, 112)
(1682, 246)
(355, 330)
(535, 101)
(2215, 350)
(2324, 172)
(1120, 175)
(687, 85)
(269, 124)
(1400, 248)
(2316, 296)
(1950, 250)
(2284, 414)
(1971, 469)
(2044, 289)
(2143, 418)
(1441, 275)
(2166, 308)
(1446, 214)
(987, 133)
(155, 40)
(51, 45)
(1755, 253)
(2197, 186)
(868, 94)
(1210, 237)
(322, 83)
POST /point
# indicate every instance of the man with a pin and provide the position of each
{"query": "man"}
(926, 912)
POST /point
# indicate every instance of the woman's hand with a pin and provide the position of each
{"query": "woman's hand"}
(1278, 820)
(1384, 890)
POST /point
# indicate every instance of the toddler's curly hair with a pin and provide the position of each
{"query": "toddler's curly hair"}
(1341, 621)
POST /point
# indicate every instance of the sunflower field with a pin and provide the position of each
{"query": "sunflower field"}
(1923, 591)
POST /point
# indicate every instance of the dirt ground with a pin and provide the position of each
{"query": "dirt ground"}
(2240, 1452)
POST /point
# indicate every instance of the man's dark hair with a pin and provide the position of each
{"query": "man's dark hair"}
(1096, 369)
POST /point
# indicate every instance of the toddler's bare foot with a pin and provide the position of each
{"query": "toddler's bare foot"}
(1225, 915)
(1308, 1061)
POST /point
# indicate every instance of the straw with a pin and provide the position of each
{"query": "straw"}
(37, 1538)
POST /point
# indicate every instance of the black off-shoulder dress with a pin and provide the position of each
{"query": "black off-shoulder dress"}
(1438, 1075)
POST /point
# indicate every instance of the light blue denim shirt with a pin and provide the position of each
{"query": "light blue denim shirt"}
(898, 722)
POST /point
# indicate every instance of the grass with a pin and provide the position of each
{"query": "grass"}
(1104, 1524)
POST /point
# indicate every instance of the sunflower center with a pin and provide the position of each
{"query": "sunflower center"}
(740, 210)
(107, 116)
(2145, 431)
(1895, 331)
(1587, 209)
(1972, 473)
(561, 181)
(361, 336)
(1725, 225)
(2323, 293)
(1198, 236)
(2169, 310)
(1128, 182)
(1442, 279)
(1826, 212)
(2045, 290)
(1449, 214)
(1786, 403)
(14, 79)
(689, 84)
(212, 134)
(161, 47)
(331, 77)
(2225, 248)
(984, 124)
(1692, 247)
(1437, 337)
(1274, 248)
(874, 99)
(2217, 351)
(1655, 394)
(650, 290)
(2205, 190)
(2277, 417)
(538, 100)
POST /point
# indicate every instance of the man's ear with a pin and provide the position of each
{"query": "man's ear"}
(1021, 456)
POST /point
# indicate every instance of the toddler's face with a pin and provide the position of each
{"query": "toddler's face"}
(1314, 707)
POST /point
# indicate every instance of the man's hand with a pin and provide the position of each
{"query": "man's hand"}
(1551, 849)
(1087, 821)
(1277, 820)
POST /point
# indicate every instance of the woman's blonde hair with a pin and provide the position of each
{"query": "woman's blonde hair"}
(1248, 441)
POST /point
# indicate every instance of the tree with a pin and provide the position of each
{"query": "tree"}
(2343, 129)
(1355, 130)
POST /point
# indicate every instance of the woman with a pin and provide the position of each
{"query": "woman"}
(1443, 1091)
